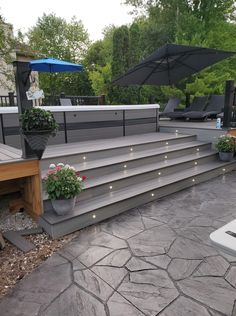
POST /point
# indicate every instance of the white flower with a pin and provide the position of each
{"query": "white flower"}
(72, 168)
(67, 166)
(52, 166)
(60, 164)
(80, 179)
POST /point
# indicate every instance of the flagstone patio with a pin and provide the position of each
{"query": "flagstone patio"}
(154, 260)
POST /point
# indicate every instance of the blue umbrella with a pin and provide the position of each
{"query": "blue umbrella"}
(54, 65)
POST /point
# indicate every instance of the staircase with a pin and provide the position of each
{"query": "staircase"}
(127, 172)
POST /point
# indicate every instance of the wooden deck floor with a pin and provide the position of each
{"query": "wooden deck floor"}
(8, 153)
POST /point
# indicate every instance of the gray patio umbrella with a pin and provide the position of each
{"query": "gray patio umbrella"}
(171, 63)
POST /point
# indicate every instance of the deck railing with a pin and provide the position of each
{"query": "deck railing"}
(107, 120)
(11, 100)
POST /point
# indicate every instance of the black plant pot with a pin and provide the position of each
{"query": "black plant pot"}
(37, 140)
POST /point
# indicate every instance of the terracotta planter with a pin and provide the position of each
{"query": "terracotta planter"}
(226, 156)
(63, 206)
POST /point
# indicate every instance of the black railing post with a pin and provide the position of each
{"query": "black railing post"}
(157, 120)
(2, 129)
(187, 99)
(11, 98)
(228, 106)
(123, 122)
(102, 99)
(22, 72)
(65, 127)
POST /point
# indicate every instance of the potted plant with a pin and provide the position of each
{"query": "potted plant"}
(37, 125)
(226, 147)
(62, 184)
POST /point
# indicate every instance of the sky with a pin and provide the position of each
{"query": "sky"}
(94, 14)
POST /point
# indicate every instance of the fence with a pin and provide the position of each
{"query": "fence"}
(11, 100)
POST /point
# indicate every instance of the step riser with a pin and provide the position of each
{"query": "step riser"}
(101, 171)
(88, 193)
(91, 156)
(70, 225)
(126, 182)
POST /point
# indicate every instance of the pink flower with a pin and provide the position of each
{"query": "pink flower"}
(77, 173)
(84, 178)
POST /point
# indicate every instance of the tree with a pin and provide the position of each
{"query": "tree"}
(52, 36)
(98, 61)
(196, 23)
(7, 55)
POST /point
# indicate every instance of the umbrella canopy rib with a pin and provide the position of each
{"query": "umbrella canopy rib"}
(170, 64)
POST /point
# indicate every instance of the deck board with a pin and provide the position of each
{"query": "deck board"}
(9, 153)
(103, 144)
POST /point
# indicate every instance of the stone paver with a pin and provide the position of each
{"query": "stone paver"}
(185, 307)
(154, 260)
(150, 291)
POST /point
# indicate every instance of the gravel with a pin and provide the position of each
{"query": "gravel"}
(13, 221)
(15, 264)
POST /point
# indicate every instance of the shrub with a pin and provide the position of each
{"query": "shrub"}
(226, 144)
(37, 119)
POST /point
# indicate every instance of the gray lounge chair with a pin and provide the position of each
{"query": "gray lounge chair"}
(65, 102)
(170, 106)
(214, 107)
(198, 104)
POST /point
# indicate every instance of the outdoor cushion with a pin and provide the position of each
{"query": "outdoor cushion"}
(214, 107)
(170, 106)
(198, 104)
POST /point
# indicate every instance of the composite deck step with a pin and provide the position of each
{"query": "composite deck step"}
(93, 210)
(137, 158)
(110, 143)
(125, 177)
(126, 173)
(84, 153)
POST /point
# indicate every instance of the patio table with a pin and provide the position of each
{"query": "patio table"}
(225, 238)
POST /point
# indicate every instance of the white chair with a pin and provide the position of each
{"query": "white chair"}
(65, 102)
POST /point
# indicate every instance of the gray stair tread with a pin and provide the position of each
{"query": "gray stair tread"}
(108, 178)
(103, 144)
(122, 194)
(20, 242)
(136, 155)
(147, 168)
(103, 162)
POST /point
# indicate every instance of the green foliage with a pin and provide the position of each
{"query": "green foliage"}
(36, 119)
(7, 46)
(63, 182)
(196, 23)
(226, 144)
(52, 36)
